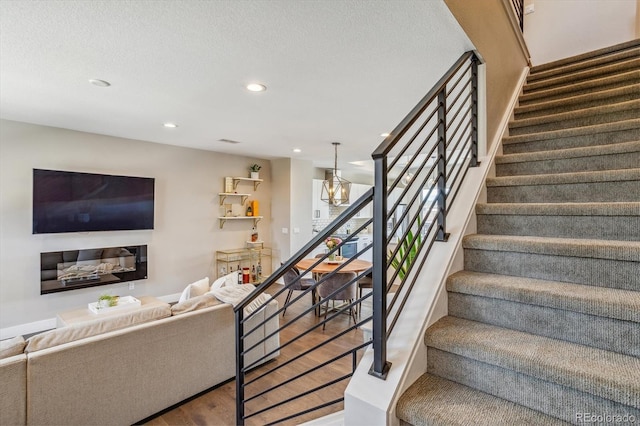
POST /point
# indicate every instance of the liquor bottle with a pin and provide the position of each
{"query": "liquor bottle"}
(254, 278)
(259, 271)
(239, 272)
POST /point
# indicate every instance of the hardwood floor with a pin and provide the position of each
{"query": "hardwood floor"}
(217, 407)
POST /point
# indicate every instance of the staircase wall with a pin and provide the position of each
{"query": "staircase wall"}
(488, 26)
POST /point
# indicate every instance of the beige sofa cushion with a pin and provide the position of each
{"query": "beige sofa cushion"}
(11, 347)
(195, 289)
(13, 390)
(195, 303)
(82, 330)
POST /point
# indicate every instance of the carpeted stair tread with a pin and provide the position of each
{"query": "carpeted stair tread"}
(432, 400)
(609, 221)
(604, 302)
(577, 131)
(586, 56)
(621, 175)
(628, 251)
(626, 81)
(613, 57)
(566, 153)
(605, 374)
(595, 96)
(567, 79)
(585, 114)
(560, 209)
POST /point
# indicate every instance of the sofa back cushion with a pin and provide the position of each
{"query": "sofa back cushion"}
(195, 303)
(82, 330)
(11, 347)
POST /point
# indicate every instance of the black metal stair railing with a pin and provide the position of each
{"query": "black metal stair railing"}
(518, 8)
(314, 363)
(419, 170)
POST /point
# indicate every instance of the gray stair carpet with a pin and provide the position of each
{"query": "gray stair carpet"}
(543, 323)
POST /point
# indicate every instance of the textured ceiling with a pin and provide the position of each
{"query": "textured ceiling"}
(335, 70)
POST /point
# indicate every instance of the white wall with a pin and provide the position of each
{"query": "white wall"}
(181, 247)
(558, 29)
(292, 180)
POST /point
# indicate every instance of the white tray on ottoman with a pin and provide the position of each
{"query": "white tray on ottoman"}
(124, 302)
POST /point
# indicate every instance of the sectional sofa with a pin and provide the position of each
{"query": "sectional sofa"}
(124, 368)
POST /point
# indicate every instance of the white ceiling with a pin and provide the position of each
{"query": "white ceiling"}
(335, 70)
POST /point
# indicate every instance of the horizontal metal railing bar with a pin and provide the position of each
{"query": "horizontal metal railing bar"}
(455, 116)
(304, 373)
(307, 411)
(403, 194)
(450, 89)
(344, 217)
(390, 284)
(305, 393)
(406, 189)
(318, 346)
(399, 155)
(385, 147)
(413, 221)
(300, 276)
(404, 300)
(319, 303)
(410, 266)
(453, 159)
(466, 170)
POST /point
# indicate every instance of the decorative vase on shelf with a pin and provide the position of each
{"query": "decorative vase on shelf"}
(255, 175)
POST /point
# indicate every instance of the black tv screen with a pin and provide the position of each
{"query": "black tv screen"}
(82, 202)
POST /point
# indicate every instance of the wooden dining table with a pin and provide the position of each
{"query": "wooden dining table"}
(355, 265)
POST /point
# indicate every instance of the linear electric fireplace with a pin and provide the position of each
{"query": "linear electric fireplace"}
(74, 269)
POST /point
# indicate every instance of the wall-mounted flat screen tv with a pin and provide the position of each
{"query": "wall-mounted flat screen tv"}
(82, 202)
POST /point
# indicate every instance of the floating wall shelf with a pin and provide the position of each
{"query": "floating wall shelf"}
(256, 219)
(256, 182)
(224, 195)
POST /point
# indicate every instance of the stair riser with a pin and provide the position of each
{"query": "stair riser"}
(573, 78)
(573, 105)
(535, 76)
(587, 56)
(624, 160)
(556, 400)
(580, 270)
(623, 83)
(622, 228)
(599, 332)
(616, 191)
(627, 135)
(576, 122)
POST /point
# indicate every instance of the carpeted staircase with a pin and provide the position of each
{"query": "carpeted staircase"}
(544, 321)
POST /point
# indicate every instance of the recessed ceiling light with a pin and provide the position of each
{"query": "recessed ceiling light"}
(384, 135)
(256, 87)
(170, 125)
(297, 150)
(99, 83)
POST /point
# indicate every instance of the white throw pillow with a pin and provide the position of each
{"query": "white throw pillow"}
(219, 283)
(232, 278)
(197, 288)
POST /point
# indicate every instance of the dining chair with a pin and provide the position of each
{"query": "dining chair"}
(364, 283)
(294, 282)
(348, 294)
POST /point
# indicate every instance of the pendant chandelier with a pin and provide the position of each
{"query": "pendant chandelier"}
(335, 190)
